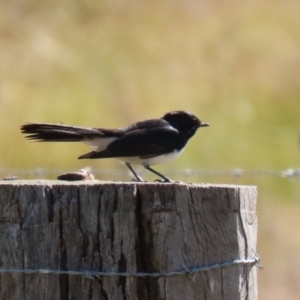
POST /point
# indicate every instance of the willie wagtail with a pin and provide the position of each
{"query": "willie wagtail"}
(146, 143)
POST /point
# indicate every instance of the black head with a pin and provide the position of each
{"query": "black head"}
(184, 121)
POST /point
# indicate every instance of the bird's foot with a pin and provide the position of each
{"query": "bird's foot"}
(139, 179)
(165, 180)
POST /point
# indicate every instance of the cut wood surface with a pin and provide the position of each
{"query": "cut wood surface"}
(126, 227)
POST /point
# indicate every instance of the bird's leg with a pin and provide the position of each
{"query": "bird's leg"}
(166, 179)
(138, 178)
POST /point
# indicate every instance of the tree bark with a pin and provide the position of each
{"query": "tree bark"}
(126, 227)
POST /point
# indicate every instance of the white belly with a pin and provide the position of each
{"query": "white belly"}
(161, 159)
(99, 144)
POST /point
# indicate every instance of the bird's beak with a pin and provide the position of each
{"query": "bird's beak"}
(203, 124)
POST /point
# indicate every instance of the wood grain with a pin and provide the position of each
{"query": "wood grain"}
(126, 227)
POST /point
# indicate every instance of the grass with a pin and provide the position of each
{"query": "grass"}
(107, 64)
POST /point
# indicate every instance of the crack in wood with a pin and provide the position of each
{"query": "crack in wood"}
(63, 279)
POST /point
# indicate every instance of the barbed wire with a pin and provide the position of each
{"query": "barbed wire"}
(192, 272)
(39, 172)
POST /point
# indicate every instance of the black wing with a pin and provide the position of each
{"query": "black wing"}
(143, 143)
(147, 124)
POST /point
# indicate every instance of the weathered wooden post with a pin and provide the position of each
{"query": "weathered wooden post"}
(92, 240)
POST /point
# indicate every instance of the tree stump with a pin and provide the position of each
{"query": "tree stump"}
(126, 228)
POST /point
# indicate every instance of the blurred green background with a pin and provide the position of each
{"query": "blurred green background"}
(234, 64)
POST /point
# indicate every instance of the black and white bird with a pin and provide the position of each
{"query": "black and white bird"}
(145, 143)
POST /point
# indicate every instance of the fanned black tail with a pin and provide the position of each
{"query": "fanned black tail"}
(59, 133)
